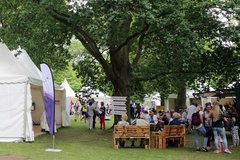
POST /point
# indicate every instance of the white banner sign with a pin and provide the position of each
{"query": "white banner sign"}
(119, 105)
(118, 98)
(120, 109)
(119, 113)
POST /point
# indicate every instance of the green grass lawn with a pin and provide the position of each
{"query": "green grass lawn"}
(77, 142)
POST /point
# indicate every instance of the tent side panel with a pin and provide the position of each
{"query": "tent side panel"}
(12, 111)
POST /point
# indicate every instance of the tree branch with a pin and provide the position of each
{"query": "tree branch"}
(139, 51)
(130, 38)
(61, 17)
(85, 39)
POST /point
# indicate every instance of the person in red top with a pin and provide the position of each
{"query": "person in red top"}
(102, 116)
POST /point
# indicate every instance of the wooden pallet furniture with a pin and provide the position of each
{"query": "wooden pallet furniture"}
(174, 133)
(131, 133)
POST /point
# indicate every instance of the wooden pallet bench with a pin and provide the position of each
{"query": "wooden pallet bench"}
(176, 134)
(131, 133)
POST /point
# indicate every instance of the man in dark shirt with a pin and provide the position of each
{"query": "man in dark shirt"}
(175, 120)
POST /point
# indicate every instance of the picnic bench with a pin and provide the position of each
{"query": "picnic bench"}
(124, 133)
(174, 133)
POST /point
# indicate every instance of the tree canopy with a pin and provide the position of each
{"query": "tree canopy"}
(70, 75)
(170, 44)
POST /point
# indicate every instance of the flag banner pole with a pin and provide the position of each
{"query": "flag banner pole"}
(53, 149)
(49, 102)
(53, 141)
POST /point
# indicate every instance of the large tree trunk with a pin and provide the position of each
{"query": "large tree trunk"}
(119, 57)
(181, 97)
(122, 74)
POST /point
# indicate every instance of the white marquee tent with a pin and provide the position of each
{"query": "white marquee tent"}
(15, 99)
(37, 93)
(20, 85)
(70, 94)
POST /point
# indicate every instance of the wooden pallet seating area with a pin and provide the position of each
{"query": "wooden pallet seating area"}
(131, 133)
(176, 134)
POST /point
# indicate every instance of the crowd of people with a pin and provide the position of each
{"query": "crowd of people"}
(215, 120)
(210, 121)
(89, 111)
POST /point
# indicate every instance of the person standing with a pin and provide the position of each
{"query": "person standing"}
(132, 112)
(77, 109)
(218, 129)
(190, 111)
(208, 123)
(94, 113)
(234, 129)
(138, 110)
(84, 111)
(90, 113)
(198, 128)
(102, 116)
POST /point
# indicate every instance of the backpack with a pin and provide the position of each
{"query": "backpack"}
(196, 120)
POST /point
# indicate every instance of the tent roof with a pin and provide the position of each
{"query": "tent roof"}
(10, 69)
(30, 68)
(69, 90)
(32, 71)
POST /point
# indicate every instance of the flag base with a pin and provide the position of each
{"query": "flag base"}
(53, 150)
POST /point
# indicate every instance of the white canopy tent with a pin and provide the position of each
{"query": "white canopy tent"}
(20, 85)
(15, 99)
(70, 94)
(69, 90)
(37, 93)
(36, 86)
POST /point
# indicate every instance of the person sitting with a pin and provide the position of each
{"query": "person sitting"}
(175, 120)
(165, 119)
(123, 122)
(139, 122)
(159, 125)
(146, 117)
